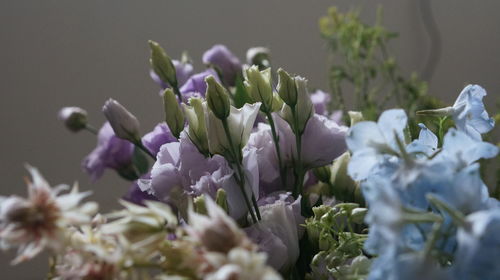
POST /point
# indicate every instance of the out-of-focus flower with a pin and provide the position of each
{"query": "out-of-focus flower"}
(243, 265)
(225, 62)
(40, 221)
(320, 100)
(469, 113)
(155, 139)
(74, 118)
(259, 56)
(111, 152)
(460, 150)
(137, 196)
(279, 231)
(478, 245)
(124, 124)
(216, 232)
(370, 142)
(196, 85)
(143, 227)
(426, 143)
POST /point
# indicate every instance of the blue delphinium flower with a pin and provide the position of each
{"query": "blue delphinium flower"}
(469, 113)
(478, 247)
(372, 143)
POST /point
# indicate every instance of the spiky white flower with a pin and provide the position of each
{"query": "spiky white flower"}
(40, 221)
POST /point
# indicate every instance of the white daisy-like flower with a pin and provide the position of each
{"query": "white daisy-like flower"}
(40, 221)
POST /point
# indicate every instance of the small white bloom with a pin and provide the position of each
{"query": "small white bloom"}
(40, 221)
(240, 124)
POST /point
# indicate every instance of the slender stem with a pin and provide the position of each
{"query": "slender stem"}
(91, 129)
(277, 147)
(177, 92)
(141, 146)
(241, 177)
(299, 169)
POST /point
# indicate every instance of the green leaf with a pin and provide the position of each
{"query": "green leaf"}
(140, 162)
(241, 96)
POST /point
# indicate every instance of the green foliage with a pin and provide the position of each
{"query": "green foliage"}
(336, 235)
(362, 66)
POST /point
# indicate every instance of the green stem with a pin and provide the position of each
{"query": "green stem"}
(178, 93)
(91, 129)
(277, 147)
(240, 179)
(141, 146)
(299, 169)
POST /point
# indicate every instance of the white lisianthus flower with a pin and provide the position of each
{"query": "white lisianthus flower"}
(244, 265)
(217, 232)
(240, 123)
(41, 220)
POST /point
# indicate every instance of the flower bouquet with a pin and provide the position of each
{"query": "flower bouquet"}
(253, 176)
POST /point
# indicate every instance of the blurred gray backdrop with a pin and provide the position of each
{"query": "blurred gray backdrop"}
(59, 53)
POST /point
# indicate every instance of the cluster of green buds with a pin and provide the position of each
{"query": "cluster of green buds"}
(336, 233)
(334, 181)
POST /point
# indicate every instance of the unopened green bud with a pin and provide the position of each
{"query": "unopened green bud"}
(162, 64)
(199, 205)
(217, 98)
(287, 89)
(221, 200)
(258, 85)
(358, 215)
(299, 114)
(197, 131)
(322, 173)
(259, 56)
(355, 117)
(442, 112)
(74, 118)
(173, 113)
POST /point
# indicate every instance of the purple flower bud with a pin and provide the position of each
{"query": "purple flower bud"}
(225, 61)
(124, 124)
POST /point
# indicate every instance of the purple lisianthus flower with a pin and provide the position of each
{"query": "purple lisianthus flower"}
(226, 62)
(182, 71)
(196, 84)
(137, 196)
(182, 171)
(279, 231)
(111, 152)
(322, 142)
(155, 139)
(320, 100)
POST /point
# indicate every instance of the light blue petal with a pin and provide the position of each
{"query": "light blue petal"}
(393, 122)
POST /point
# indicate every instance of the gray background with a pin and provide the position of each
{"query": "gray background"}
(59, 53)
